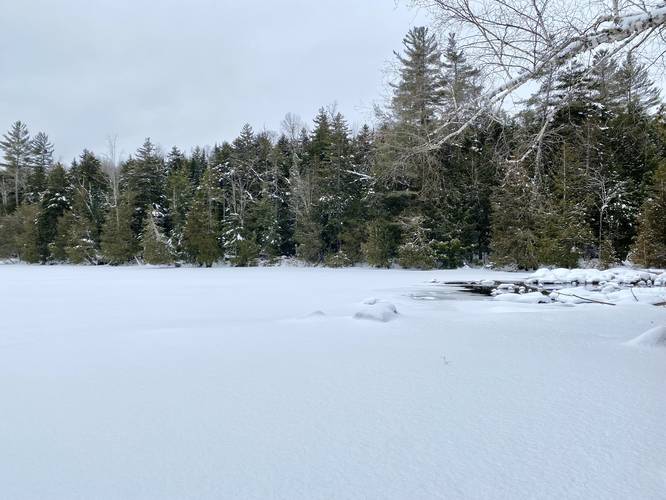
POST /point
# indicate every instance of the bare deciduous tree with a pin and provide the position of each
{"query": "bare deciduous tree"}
(514, 42)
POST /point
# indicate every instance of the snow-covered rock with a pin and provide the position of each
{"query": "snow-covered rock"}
(660, 280)
(654, 337)
(620, 275)
(377, 311)
(504, 288)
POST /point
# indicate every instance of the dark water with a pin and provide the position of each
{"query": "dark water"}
(447, 292)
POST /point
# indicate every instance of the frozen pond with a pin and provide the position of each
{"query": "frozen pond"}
(297, 383)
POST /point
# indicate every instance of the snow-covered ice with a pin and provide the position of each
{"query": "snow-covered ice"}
(149, 383)
(376, 310)
(654, 337)
(524, 298)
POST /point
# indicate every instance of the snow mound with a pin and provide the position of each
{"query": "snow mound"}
(524, 298)
(655, 337)
(377, 311)
(611, 295)
(660, 280)
(618, 275)
(315, 314)
(505, 288)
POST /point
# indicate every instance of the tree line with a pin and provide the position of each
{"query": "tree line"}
(589, 184)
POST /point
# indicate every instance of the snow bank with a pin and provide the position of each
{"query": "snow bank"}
(524, 298)
(654, 337)
(660, 279)
(591, 276)
(374, 310)
(611, 295)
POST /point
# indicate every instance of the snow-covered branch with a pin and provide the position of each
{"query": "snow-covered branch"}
(521, 41)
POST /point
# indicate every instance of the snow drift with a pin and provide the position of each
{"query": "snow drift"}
(654, 337)
(372, 309)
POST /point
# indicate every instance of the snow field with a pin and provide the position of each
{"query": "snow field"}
(142, 383)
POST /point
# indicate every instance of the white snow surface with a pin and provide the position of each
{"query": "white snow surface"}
(654, 337)
(611, 295)
(524, 298)
(150, 383)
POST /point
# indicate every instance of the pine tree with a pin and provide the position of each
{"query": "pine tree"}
(307, 232)
(77, 235)
(649, 249)
(56, 200)
(358, 184)
(335, 199)
(89, 201)
(17, 155)
(461, 89)
(119, 243)
(416, 251)
(201, 234)
(514, 238)
(197, 165)
(19, 234)
(42, 162)
(156, 247)
(144, 176)
(639, 93)
(282, 194)
(179, 192)
(381, 246)
(412, 116)
(420, 92)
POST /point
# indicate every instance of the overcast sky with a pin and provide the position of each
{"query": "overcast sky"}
(189, 72)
